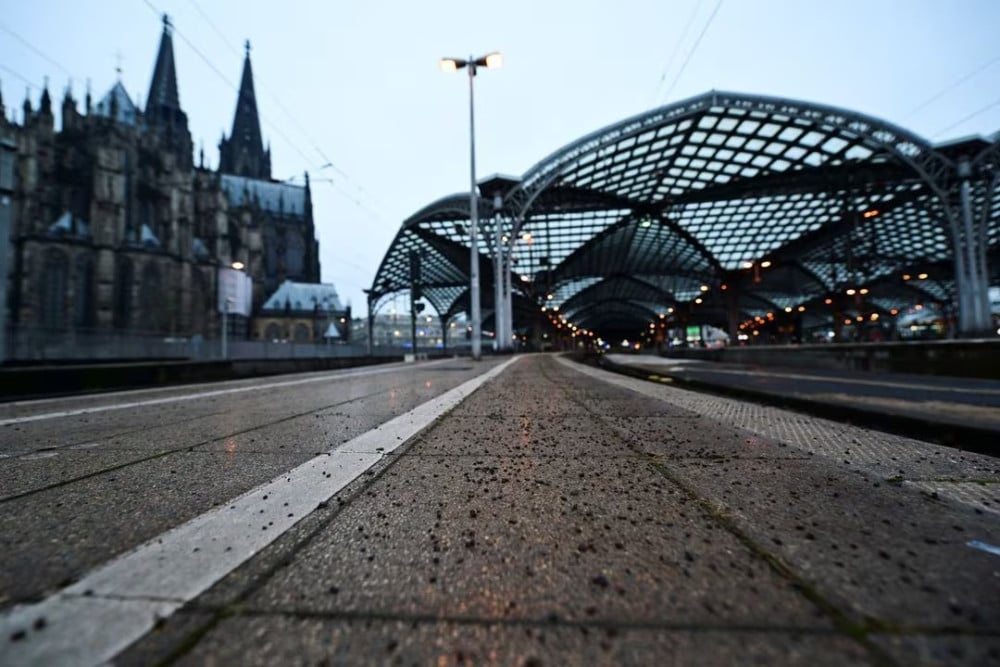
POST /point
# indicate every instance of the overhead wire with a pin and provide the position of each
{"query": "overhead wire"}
(677, 47)
(36, 50)
(326, 161)
(277, 130)
(967, 118)
(950, 87)
(692, 51)
(18, 75)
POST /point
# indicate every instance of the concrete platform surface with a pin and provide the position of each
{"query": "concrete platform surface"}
(553, 514)
(961, 412)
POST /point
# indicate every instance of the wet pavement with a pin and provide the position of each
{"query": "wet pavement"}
(559, 514)
(960, 412)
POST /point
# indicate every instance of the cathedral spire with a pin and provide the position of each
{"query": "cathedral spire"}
(163, 106)
(163, 89)
(243, 153)
(45, 103)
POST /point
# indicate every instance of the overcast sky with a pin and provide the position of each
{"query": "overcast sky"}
(356, 82)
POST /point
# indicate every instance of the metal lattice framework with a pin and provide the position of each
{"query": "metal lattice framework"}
(720, 206)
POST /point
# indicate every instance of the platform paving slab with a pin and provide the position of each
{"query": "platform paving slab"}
(50, 538)
(544, 522)
(291, 640)
(509, 518)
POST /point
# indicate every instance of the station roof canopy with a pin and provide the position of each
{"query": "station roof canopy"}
(721, 201)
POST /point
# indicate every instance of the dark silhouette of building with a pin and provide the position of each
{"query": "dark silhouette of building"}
(114, 228)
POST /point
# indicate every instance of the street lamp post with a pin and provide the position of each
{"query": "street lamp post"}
(500, 324)
(227, 300)
(225, 326)
(489, 61)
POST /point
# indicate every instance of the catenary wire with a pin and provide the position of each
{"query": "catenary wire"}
(694, 48)
(36, 50)
(952, 86)
(272, 126)
(326, 161)
(677, 48)
(968, 117)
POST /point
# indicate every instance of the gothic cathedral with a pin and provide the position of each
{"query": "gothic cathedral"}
(115, 229)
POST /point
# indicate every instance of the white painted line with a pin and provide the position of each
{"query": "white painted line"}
(984, 546)
(91, 621)
(202, 394)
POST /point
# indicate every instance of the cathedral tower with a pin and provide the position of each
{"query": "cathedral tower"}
(243, 154)
(163, 108)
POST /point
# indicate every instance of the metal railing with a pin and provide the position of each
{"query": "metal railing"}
(40, 345)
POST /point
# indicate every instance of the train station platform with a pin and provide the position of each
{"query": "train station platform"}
(529, 511)
(962, 412)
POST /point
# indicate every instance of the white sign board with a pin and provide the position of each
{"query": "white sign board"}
(235, 292)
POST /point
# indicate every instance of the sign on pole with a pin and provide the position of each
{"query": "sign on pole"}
(236, 288)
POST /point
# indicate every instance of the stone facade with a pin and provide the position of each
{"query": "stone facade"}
(114, 228)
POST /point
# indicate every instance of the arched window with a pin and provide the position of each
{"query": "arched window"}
(84, 311)
(123, 293)
(53, 294)
(272, 332)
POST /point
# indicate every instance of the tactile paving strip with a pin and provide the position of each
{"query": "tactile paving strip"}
(964, 477)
